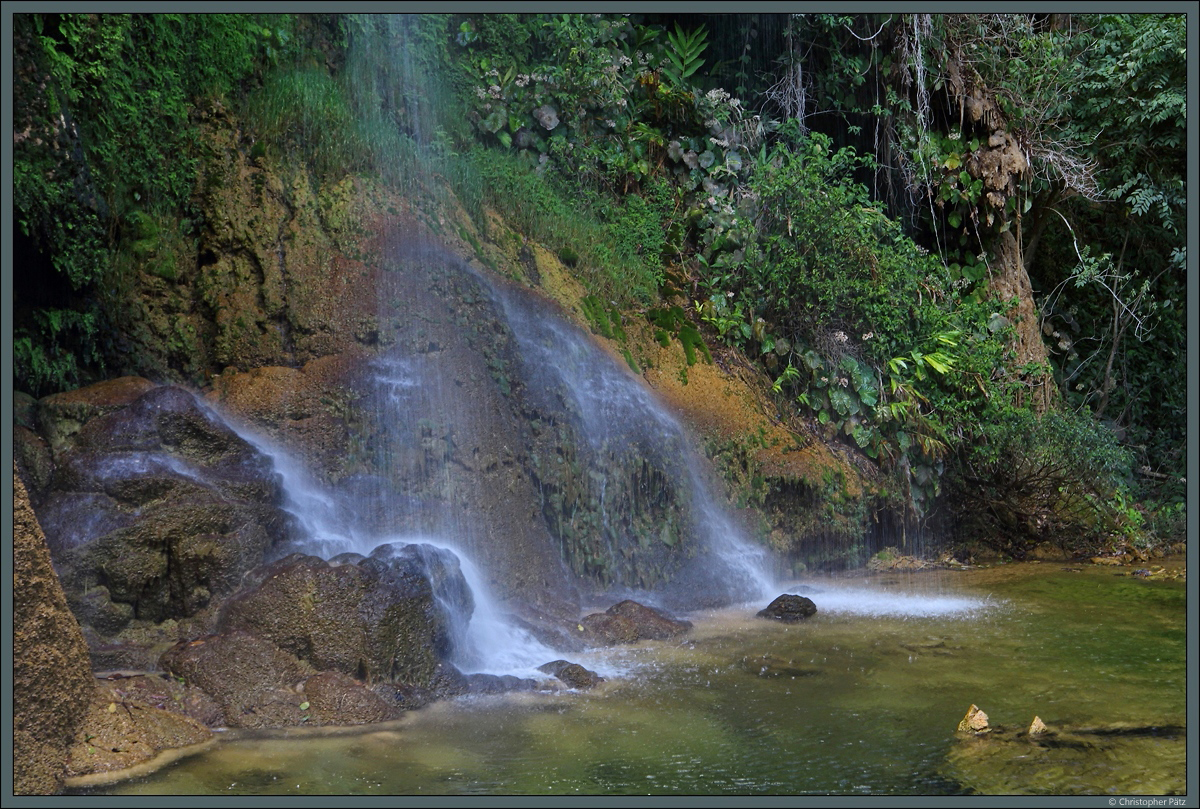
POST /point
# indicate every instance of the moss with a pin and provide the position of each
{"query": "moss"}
(630, 360)
(597, 316)
(691, 340)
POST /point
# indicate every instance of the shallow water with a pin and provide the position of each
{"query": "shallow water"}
(861, 699)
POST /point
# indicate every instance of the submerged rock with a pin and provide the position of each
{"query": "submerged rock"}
(573, 674)
(767, 665)
(789, 608)
(1068, 759)
(630, 622)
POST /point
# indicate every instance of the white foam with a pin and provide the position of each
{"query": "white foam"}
(836, 599)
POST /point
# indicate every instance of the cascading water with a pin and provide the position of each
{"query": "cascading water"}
(439, 454)
(482, 639)
(618, 416)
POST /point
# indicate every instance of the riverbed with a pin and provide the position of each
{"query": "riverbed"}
(861, 699)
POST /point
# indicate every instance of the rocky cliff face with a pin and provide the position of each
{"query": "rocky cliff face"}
(282, 271)
(52, 679)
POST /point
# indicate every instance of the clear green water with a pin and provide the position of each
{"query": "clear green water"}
(850, 702)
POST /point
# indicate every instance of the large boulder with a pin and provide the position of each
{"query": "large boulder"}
(157, 507)
(389, 617)
(254, 683)
(52, 680)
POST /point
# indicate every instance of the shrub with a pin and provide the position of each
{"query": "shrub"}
(1028, 479)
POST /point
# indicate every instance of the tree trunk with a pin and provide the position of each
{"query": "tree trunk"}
(1010, 281)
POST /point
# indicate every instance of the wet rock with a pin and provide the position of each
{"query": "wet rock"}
(171, 562)
(650, 623)
(157, 507)
(304, 409)
(600, 629)
(789, 608)
(335, 699)
(253, 681)
(498, 683)
(1070, 759)
(35, 464)
(119, 732)
(573, 674)
(97, 609)
(52, 680)
(892, 559)
(375, 620)
(62, 415)
(171, 419)
(1048, 552)
(629, 622)
(164, 692)
(1158, 572)
(24, 410)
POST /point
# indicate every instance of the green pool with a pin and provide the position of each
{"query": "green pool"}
(861, 699)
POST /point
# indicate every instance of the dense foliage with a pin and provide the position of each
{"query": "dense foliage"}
(811, 189)
(102, 143)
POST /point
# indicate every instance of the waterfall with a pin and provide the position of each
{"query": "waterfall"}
(615, 412)
(444, 448)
